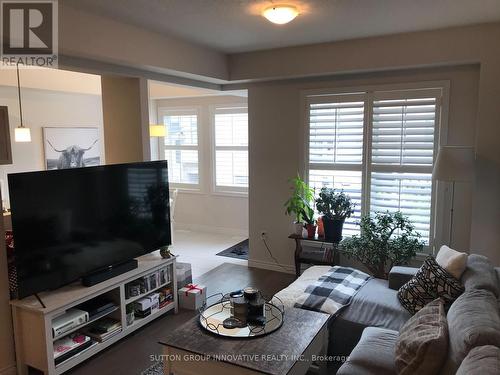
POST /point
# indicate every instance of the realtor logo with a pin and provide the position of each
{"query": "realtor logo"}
(29, 33)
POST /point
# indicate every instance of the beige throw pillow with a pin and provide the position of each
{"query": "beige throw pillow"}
(452, 261)
(423, 341)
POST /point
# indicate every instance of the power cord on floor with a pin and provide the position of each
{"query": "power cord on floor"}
(272, 256)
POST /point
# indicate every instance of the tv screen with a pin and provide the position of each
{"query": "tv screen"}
(71, 222)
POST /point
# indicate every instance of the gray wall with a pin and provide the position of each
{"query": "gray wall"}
(276, 139)
(126, 119)
(445, 47)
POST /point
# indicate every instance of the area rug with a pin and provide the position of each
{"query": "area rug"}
(238, 251)
(155, 369)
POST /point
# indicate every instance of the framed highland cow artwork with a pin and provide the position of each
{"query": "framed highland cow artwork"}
(71, 147)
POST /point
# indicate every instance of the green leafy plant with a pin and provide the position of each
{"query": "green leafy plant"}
(387, 240)
(308, 215)
(129, 308)
(299, 204)
(333, 205)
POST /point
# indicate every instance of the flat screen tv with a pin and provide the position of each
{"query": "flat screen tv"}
(72, 222)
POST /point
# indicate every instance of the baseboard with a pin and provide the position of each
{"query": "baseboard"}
(272, 266)
(210, 229)
(9, 370)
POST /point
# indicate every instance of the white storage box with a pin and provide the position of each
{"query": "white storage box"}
(155, 301)
(143, 304)
(192, 296)
(184, 274)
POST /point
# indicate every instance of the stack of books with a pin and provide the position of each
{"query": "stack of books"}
(71, 346)
(103, 329)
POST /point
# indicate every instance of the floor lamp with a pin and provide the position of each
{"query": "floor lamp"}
(454, 164)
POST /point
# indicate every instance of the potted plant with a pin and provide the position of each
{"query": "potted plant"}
(310, 223)
(335, 208)
(388, 239)
(129, 309)
(299, 203)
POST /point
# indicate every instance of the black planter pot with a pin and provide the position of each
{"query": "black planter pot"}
(333, 229)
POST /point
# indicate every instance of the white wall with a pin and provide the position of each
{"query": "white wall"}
(45, 108)
(446, 47)
(205, 210)
(276, 139)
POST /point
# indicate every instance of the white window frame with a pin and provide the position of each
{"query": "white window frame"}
(225, 190)
(183, 110)
(439, 89)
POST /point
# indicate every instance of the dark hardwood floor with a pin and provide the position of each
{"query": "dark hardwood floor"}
(133, 354)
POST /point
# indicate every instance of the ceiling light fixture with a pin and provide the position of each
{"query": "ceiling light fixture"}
(280, 14)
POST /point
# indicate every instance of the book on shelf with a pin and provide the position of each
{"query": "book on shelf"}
(105, 325)
(103, 329)
(71, 345)
(101, 337)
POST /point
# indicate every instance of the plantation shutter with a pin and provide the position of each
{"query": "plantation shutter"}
(336, 133)
(231, 149)
(181, 146)
(336, 126)
(402, 155)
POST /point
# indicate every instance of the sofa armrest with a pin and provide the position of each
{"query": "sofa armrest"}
(399, 275)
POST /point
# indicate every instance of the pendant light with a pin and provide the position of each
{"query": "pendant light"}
(21, 133)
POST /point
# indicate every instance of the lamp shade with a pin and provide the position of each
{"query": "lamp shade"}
(22, 134)
(157, 130)
(454, 163)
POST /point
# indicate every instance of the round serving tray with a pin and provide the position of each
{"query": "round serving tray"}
(212, 318)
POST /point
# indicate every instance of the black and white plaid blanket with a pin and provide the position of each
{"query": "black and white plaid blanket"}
(332, 291)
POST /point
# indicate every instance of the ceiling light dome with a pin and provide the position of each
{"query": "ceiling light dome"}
(280, 14)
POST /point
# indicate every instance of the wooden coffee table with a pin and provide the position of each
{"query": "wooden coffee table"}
(190, 350)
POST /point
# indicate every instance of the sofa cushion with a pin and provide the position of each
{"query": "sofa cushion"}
(482, 360)
(480, 274)
(376, 305)
(423, 341)
(373, 355)
(400, 275)
(430, 282)
(473, 320)
(452, 261)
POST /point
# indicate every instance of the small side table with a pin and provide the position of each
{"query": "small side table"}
(327, 257)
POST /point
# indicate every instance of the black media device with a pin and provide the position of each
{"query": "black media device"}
(86, 223)
(108, 273)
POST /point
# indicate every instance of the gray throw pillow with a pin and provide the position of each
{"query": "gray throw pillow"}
(423, 341)
(482, 360)
(430, 282)
(480, 274)
(473, 320)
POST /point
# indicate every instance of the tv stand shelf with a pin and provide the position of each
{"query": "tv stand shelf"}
(33, 323)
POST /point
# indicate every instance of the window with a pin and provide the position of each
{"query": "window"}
(336, 148)
(181, 146)
(231, 149)
(378, 147)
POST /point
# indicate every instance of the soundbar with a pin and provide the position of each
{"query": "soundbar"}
(108, 273)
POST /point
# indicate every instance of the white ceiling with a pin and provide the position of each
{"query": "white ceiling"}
(236, 25)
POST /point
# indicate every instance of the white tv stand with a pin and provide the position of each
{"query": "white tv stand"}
(33, 323)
